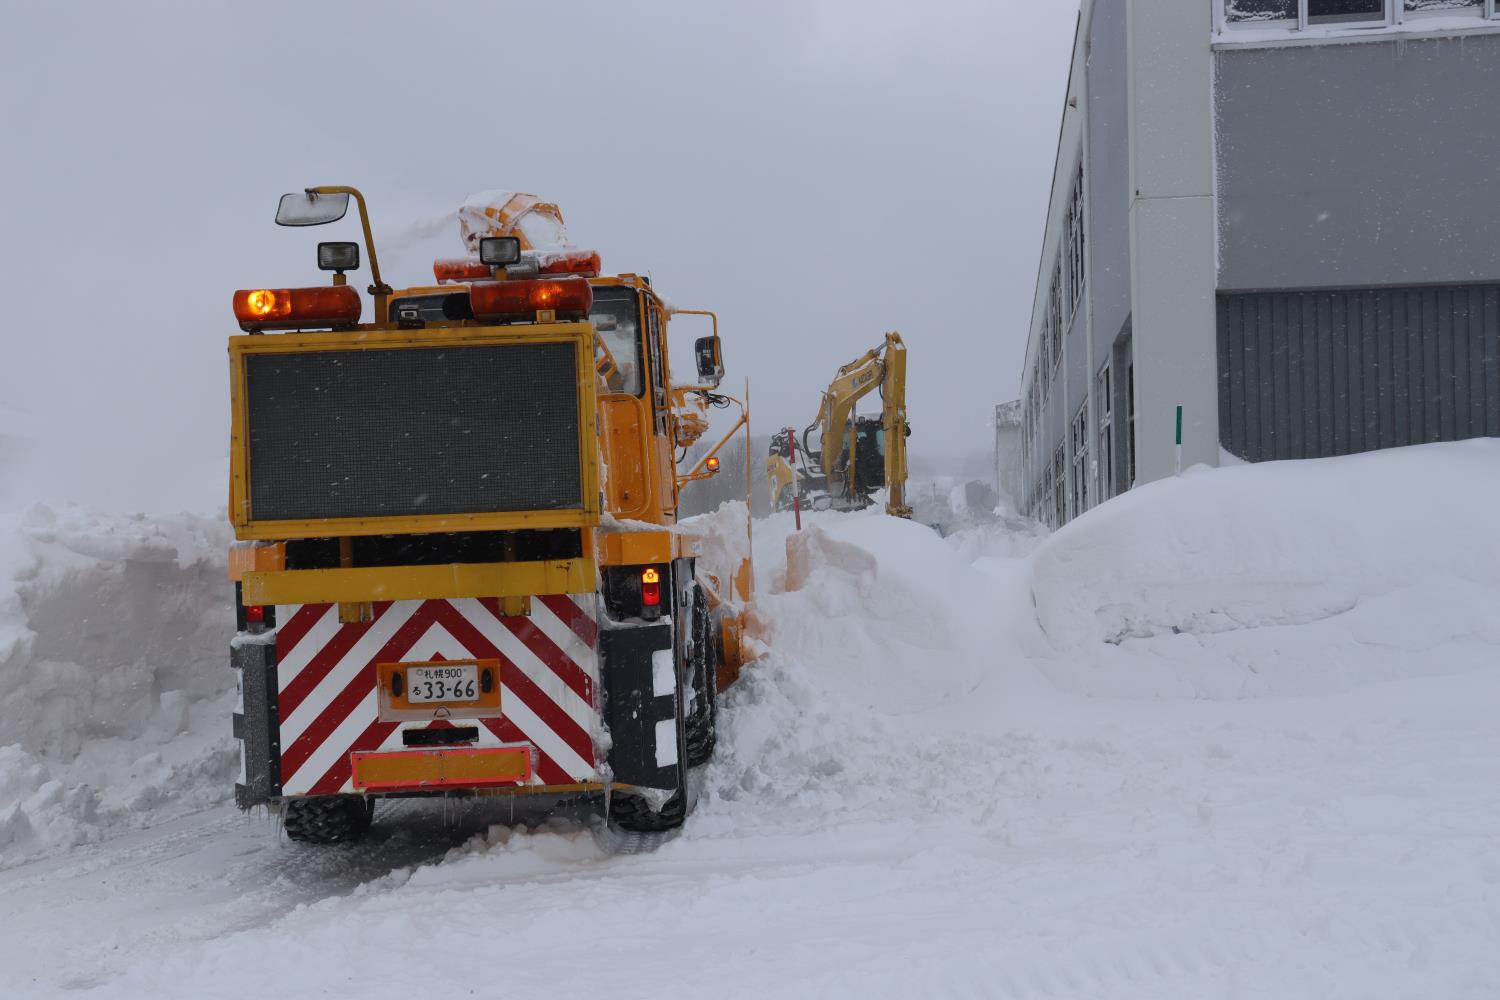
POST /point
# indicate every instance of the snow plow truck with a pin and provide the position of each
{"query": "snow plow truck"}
(457, 568)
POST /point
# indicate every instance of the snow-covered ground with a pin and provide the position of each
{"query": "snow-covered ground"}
(1231, 735)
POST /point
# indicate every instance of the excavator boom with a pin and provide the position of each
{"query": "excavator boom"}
(848, 443)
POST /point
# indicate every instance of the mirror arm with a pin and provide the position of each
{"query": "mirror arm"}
(699, 312)
(379, 289)
(696, 472)
(713, 316)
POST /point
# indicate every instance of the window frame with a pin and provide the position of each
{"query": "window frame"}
(1104, 431)
(634, 297)
(1078, 469)
(1395, 13)
(1074, 236)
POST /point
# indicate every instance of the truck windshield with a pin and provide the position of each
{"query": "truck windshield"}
(616, 315)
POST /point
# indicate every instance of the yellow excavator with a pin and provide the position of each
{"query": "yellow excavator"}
(850, 457)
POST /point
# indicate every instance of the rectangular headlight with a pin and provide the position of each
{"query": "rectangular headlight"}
(497, 250)
(338, 256)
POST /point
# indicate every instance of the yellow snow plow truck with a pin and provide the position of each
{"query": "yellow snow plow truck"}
(458, 569)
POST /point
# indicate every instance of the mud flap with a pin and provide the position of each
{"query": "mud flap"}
(256, 724)
(641, 685)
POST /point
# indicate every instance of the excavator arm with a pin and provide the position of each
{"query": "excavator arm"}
(882, 368)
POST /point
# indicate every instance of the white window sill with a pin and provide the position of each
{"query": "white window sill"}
(1331, 34)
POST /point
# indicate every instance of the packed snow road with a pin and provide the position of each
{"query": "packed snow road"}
(1230, 735)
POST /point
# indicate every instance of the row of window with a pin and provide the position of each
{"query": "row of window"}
(1064, 294)
(1081, 470)
(1353, 13)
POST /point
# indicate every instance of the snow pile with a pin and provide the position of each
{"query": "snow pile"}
(1282, 577)
(115, 692)
(920, 791)
(722, 538)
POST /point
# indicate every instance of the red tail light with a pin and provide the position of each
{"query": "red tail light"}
(446, 269)
(584, 262)
(569, 298)
(650, 588)
(295, 308)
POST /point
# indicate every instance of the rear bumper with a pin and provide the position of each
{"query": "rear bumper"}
(440, 769)
(580, 710)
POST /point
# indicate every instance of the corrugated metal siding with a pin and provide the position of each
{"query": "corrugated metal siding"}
(1308, 374)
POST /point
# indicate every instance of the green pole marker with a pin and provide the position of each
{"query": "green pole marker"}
(1179, 439)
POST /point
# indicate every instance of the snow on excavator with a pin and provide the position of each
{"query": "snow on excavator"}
(459, 570)
(852, 457)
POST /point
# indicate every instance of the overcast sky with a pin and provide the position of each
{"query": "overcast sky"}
(817, 172)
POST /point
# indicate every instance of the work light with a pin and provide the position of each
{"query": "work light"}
(338, 256)
(498, 250)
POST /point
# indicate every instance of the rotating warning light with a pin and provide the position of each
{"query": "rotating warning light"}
(261, 302)
(580, 262)
(520, 300)
(446, 269)
(712, 464)
(296, 308)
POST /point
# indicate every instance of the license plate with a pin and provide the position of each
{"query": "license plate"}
(459, 683)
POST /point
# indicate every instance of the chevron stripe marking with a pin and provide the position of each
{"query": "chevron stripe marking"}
(568, 611)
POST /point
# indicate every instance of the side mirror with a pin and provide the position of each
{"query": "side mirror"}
(710, 360)
(308, 208)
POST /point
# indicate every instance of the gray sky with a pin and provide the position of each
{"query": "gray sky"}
(817, 172)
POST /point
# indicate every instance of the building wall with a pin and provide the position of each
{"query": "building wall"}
(1172, 233)
(1108, 178)
(1315, 373)
(1373, 163)
(1108, 175)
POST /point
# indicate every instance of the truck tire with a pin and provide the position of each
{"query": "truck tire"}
(702, 724)
(327, 819)
(634, 814)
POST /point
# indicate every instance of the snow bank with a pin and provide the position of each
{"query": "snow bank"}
(921, 791)
(114, 689)
(722, 538)
(1281, 577)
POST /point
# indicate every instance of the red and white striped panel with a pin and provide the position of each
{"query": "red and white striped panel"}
(325, 671)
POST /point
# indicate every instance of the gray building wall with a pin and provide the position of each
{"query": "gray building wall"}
(1374, 163)
(1107, 174)
(1314, 373)
(1172, 233)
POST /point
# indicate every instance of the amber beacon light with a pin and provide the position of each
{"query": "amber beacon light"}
(521, 300)
(296, 308)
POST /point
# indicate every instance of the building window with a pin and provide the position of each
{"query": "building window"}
(1075, 242)
(1044, 358)
(1241, 11)
(1130, 422)
(1341, 11)
(1353, 13)
(1059, 487)
(1421, 6)
(1054, 314)
(1080, 437)
(1104, 393)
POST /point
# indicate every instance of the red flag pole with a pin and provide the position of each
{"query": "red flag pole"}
(791, 444)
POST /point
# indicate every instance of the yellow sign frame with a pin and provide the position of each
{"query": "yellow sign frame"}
(241, 347)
